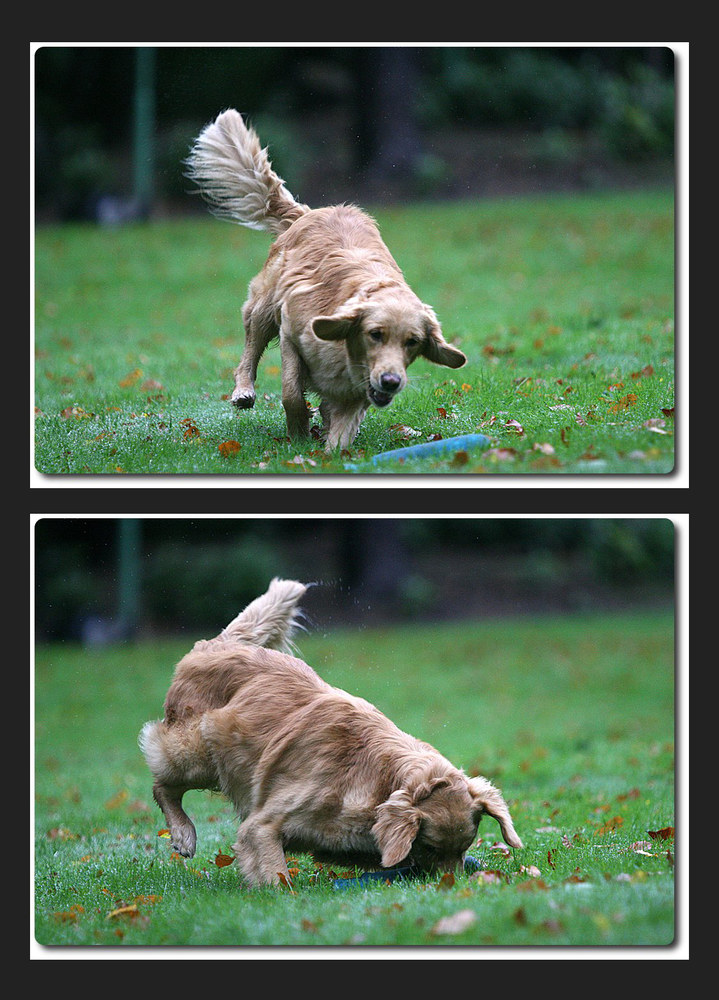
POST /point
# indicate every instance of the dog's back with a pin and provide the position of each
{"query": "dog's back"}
(211, 673)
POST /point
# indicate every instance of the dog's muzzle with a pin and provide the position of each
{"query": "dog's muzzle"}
(389, 385)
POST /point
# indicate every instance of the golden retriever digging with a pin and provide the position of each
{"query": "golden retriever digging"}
(348, 322)
(309, 767)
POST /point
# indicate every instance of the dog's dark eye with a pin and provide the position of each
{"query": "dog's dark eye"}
(376, 335)
(412, 342)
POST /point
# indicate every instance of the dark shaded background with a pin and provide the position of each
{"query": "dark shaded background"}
(367, 123)
(99, 580)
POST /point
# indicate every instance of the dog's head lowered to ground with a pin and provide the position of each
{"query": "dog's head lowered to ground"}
(432, 824)
(309, 767)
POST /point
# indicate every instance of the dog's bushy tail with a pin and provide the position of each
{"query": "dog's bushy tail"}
(269, 620)
(235, 176)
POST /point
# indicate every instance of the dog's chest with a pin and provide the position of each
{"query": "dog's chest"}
(330, 371)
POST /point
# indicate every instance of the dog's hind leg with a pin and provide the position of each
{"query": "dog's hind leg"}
(179, 760)
(183, 835)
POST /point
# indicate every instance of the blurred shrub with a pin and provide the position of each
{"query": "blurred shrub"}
(630, 551)
(66, 593)
(630, 107)
(613, 551)
(206, 585)
(74, 169)
(516, 86)
(637, 120)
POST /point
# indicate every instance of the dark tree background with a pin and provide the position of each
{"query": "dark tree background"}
(348, 121)
(102, 579)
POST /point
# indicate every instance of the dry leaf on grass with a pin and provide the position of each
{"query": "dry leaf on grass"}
(227, 448)
(666, 833)
(446, 882)
(456, 923)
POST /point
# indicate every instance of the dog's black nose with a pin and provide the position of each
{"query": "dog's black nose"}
(390, 381)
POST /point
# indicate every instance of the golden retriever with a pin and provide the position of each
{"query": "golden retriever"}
(309, 767)
(348, 322)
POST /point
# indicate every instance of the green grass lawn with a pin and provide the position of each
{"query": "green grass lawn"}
(572, 717)
(563, 304)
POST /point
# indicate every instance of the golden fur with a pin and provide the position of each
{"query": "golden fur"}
(309, 767)
(348, 322)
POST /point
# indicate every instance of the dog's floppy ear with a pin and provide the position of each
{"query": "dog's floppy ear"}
(435, 348)
(487, 799)
(398, 820)
(396, 827)
(336, 327)
(339, 324)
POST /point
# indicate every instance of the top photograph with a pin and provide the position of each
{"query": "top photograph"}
(312, 260)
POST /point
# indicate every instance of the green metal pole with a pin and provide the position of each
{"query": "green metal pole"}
(144, 128)
(129, 575)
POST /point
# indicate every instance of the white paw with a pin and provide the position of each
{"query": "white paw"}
(243, 399)
(184, 840)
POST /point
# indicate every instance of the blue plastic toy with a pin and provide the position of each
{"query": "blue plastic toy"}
(431, 449)
(391, 874)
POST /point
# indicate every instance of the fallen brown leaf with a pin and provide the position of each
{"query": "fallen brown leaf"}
(655, 424)
(130, 378)
(69, 916)
(124, 911)
(285, 882)
(404, 431)
(666, 833)
(446, 882)
(502, 454)
(457, 923)
(228, 448)
(460, 458)
(624, 403)
(531, 870)
(190, 429)
(488, 876)
(646, 372)
(609, 826)
(75, 412)
(117, 799)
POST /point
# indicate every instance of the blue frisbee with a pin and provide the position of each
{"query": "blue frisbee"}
(433, 449)
(392, 874)
(430, 449)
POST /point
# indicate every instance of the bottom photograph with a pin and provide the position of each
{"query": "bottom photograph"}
(354, 737)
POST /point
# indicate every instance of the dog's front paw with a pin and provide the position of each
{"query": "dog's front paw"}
(184, 839)
(243, 399)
